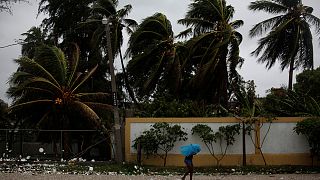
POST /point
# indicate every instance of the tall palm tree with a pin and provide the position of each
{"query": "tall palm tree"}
(289, 39)
(215, 48)
(46, 92)
(118, 22)
(156, 58)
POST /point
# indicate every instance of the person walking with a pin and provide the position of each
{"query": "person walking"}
(189, 151)
(189, 165)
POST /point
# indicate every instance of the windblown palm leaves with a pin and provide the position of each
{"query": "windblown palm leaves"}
(117, 21)
(35, 37)
(215, 47)
(156, 59)
(47, 94)
(289, 40)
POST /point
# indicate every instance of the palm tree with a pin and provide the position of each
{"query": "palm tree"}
(215, 47)
(35, 37)
(118, 21)
(289, 39)
(46, 92)
(156, 63)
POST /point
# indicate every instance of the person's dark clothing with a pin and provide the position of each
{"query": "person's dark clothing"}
(188, 160)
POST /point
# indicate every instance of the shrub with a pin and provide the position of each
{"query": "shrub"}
(161, 137)
(209, 138)
(310, 128)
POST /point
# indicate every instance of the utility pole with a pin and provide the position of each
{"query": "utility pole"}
(117, 126)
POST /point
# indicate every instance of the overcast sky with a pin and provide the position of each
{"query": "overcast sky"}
(24, 17)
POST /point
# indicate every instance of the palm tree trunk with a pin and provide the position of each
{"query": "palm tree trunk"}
(291, 68)
(126, 80)
(223, 88)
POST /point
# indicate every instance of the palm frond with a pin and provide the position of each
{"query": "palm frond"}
(86, 112)
(265, 25)
(185, 33)
(53, 60)
(88, 75)
(268, 6)
(36, 69)
(236, 24)
(74, 66)
(29, 104)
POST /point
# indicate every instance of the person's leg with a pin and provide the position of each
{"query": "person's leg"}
(191, 170)
(188, 167)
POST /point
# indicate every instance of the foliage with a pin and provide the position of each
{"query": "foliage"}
(157, 60)
(272, 103)
(160, 138)
(63, 26)
(35, 37)
(118, 22)
(210, 138)
(4, 122)
(299, 104)
(310, 127)
(46, 93)
(168, 106)
(253, 117)
(289, 40)
(214, 49)
(308, 82)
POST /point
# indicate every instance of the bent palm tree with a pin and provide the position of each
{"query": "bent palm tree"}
(46, 92)
(118, 21)
(156, 59)
(215, 47)
(290, 39)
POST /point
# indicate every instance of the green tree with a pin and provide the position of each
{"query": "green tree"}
(35, 37)
(308, 82)
(215, 47)
(224, 137)
(156, 63)
(161, 137)
(63, 27)
(46, 93)
(4, 123)
(289, 39)
(253, 117)
(310, 128)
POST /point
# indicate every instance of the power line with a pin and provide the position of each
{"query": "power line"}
(20, 43)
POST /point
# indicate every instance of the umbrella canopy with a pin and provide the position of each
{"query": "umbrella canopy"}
(190, 149)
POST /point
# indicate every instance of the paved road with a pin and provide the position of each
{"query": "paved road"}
(28, 176)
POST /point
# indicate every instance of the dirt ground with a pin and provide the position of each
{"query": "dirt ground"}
(28, 176)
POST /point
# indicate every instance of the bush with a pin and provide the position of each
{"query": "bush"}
(210, 138)
(310, 127)
(161, 137)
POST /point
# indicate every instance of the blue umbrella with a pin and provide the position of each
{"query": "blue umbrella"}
(190, 149)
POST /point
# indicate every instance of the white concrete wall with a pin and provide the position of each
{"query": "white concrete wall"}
(136, 130)
(282, 139)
